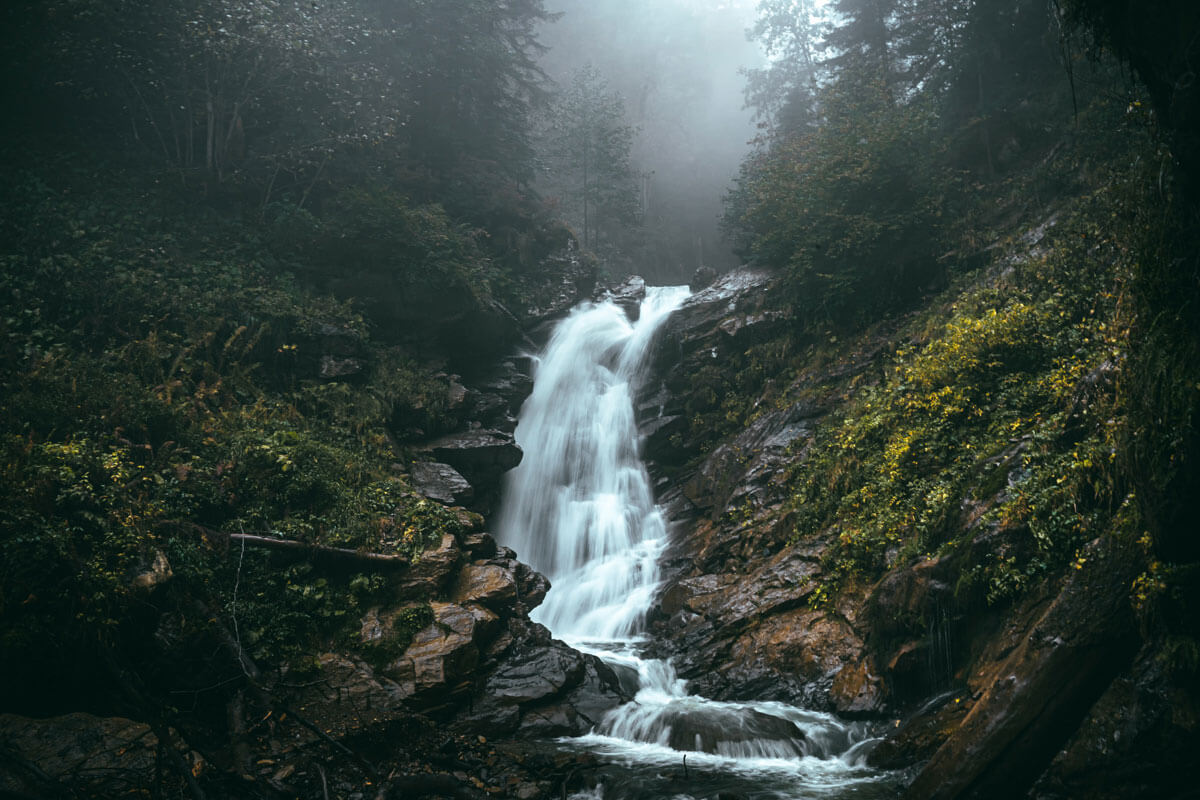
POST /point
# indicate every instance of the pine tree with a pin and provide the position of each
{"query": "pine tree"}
(588, 146)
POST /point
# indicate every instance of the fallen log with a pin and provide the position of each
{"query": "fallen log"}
(313, 551)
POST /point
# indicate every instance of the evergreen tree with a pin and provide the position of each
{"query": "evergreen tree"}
(588, 144)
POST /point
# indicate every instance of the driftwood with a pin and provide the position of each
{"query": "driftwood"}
(313, 551)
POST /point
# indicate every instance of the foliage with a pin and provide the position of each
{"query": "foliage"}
(159, 375)
(849, 211)
(1000, 422)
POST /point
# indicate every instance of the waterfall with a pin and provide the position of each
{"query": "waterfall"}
(580, 506)
(580, 509)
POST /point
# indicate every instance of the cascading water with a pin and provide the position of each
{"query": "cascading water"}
(580, 509)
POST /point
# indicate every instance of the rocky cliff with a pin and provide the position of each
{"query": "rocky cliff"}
(1054, 693)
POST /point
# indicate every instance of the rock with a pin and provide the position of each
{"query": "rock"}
(532, 585)
(481, 456)
(445, 653)
(1035, 690)
(857, 690)
(560, 274)
(441, 482)
(426, 577)
(628, 296)
(702, 278)
(727, 730)
(352, 686)
(542, 687)
(539, 674)
(480, 545)
(332, 367)
(487, 584)
(158, 574)
(743, 466)
(92, 755)
(1128, 745)
(726, 317)
(922, 733)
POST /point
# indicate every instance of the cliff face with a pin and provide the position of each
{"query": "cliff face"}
(1055, 690)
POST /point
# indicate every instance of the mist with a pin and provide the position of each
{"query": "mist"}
(677, 65)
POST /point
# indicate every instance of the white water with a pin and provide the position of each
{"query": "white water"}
(580, 509)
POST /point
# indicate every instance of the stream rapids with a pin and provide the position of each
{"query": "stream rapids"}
(580, 508)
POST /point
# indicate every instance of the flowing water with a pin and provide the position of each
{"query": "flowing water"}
(580, 509)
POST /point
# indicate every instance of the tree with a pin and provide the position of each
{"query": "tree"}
(784, 91)
(588, 144)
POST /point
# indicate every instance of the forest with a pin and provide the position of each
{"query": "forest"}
(352, 447)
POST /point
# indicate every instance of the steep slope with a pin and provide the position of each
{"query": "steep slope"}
(925, 522)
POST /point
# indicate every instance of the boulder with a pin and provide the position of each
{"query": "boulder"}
(441, 482)
(532, 585)
(431, 571)
(481, 456)
(541, 687)
(628, 296)
(443, 654)
(737, 730)
(486, 584)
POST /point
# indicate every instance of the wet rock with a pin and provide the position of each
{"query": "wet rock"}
(532, 585)
(857, 689)
(481, 456)
(1035, 691)
(444, 653)
(538, 674)
(350, 684)
(542, 687)
(487, 584)
(85, 752)
(628, 296)
(480, 545)
(919, 736)
(743, 466)
(730, 731)
(426, 577)
(441, 482)
(702, 278)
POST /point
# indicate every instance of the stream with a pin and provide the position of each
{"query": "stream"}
(580, 509)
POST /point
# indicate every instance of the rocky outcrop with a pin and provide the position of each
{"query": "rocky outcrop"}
(628, 296)
(477, 660)
(76, 753)
(480, 457)
(735, 611)
(441, 482)
(724, 318)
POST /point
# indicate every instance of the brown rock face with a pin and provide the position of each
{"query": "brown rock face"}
(445, 652)
(1037, 693)
(426, 577)
(486, 584)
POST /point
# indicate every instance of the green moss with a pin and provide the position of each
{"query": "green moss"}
(1002, 415)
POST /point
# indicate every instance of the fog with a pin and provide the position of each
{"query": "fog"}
(678, 66)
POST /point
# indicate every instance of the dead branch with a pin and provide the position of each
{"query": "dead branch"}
(314, 551)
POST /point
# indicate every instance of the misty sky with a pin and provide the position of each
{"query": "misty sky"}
(677, 64)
